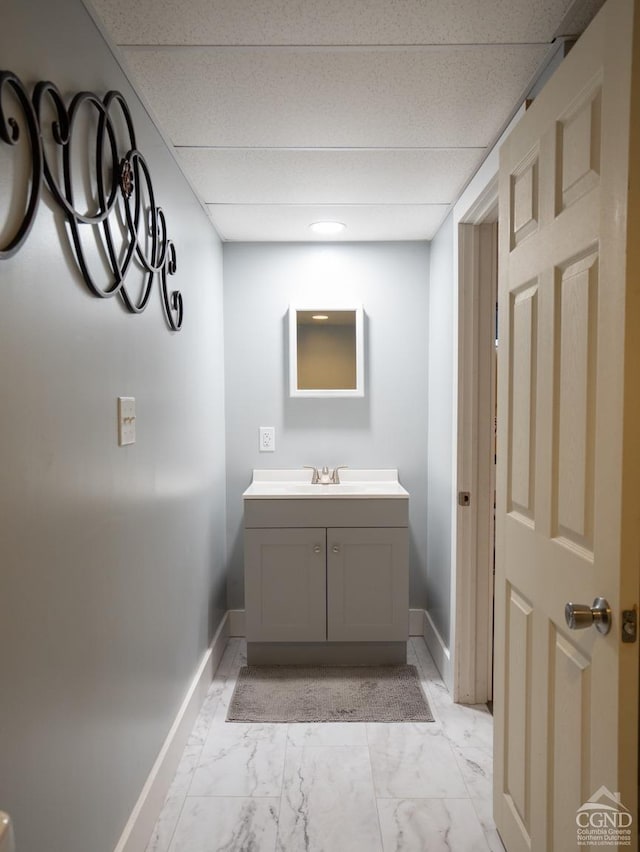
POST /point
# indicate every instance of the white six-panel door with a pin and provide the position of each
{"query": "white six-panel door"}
(568, 516)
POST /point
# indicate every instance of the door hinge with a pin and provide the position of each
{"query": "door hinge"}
(464, 498)
(629, 625)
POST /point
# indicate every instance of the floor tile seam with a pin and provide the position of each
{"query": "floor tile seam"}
(194, 751)
(230, 643)
(456, 764)
(175, 825)
(282, 785)
(438, 701)
(486, 829)
(426, 679)
(311, 746)
(195, 767)
(489, 836)
(329, 745)
(373, 787)
(433, 682)
(230, 796)
(215, 709)
(420, 639)
(207, 730)
(453, 745)
(430, 680)
(198, 763)
(426, 799)
(224, 679)
(231, 663)
(435, 685)
(190, 750)
(477, 743)
(223, 704)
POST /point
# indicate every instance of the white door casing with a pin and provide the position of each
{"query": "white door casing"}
(568, 516)
(478, 262)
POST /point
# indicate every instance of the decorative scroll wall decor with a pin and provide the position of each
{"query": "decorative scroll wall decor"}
(123, 220)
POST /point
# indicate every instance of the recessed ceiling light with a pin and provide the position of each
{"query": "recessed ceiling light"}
(320, 316)
(327, 227)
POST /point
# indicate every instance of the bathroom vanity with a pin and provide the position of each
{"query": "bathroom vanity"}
(326, 568)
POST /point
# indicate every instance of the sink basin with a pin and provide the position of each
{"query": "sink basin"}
(287, 484)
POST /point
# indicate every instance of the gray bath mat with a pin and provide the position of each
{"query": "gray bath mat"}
(328, 694)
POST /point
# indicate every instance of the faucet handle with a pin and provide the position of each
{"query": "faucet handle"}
(315, 476)
(335, 476)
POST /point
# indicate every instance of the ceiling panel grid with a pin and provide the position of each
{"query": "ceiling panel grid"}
(372, 112)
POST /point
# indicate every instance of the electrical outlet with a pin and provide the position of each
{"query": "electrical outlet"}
(267, 439)
(126, 420)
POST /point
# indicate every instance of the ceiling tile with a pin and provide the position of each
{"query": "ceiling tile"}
(376, 112)
(344, 22)
(276, 223)
(259, 176)
(291, 97)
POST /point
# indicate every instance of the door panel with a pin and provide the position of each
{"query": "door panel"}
(524, 325)
(579, 131)
(575, 391)
(518, 686)
(569, 722)
(285, 585)
(568, 226)
(368, 585)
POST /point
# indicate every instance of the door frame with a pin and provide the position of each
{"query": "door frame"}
(472, 578)
(478, 282)
(468, 677)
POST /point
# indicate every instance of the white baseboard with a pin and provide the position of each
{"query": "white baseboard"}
(137, 831)
(237, 624)
(439, 651)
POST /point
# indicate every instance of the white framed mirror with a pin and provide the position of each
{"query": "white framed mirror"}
(326, 351)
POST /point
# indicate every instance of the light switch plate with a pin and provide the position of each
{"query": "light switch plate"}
(267, 439)
(126, 420)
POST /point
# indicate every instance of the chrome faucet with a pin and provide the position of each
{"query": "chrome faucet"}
(323, 477)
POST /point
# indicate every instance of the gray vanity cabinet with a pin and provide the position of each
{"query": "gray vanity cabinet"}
(285, 585)
(367, 585)
(332, 593)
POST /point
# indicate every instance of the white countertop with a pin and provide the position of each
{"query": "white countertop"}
(288, 484)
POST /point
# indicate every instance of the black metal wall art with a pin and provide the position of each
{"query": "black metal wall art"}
(122, 219)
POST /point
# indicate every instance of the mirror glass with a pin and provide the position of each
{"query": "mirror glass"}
(326, 349)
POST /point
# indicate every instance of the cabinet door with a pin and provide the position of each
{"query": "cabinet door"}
(368, 585)
(285, 585)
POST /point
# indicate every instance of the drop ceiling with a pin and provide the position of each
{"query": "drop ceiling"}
(374, 113)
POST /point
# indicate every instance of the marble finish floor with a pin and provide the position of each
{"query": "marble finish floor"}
(332, 787)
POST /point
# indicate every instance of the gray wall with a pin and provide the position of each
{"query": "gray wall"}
(440, 437)
(387, 428)
(112, 559)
